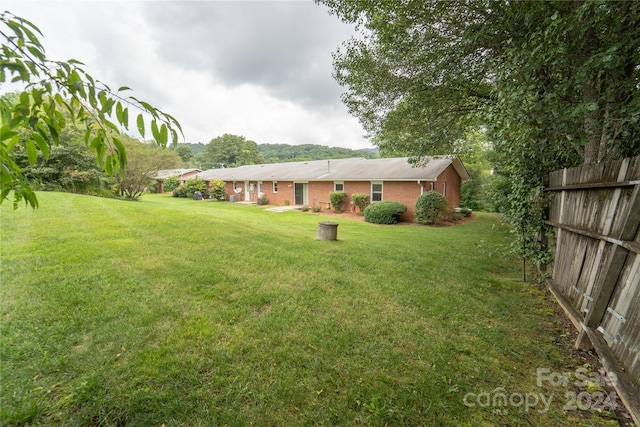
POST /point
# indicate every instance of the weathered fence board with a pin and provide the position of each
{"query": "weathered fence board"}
(595, 213)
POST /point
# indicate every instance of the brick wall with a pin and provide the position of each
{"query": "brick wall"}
(452, 179)
(405, 192)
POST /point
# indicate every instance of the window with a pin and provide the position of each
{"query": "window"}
(338, 186)
(431, 186)
(376, 191)
(275, 186)
(260, 189)
(444, 188)
(234, 185)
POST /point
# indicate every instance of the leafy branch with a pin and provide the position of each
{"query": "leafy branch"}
(58, 92)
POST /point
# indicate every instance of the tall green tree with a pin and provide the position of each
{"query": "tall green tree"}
(56, 94)
(554, 82)
(230, 151)
(185, 153)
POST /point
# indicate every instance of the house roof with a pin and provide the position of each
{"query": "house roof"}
(356, 169)
(166, 173)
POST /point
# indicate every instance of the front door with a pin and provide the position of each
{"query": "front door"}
(300, 193)
(247, 192)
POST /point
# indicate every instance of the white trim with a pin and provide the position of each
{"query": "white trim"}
(335, 183)
(381, 184)
(274, 187)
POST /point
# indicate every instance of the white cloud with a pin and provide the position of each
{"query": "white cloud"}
(257, 69)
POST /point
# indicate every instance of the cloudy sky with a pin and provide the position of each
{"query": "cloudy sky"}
(260, 69)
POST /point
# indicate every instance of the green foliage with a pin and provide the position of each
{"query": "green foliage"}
(429, 206)
(465, 212)
(554, 83)
(361, 201)
(262, 201)
(476, 153)
(71, 168)
(384, 212)
(144, 160)
(527, 207)
(497, 190)
(279, 153)
(56, 94)
(192, 185)
(185, 153)
(171, 183)
(216, 189)
(337, 198)
(196, 148)
(230, 151)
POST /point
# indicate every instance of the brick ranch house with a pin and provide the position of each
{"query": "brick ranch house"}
(309, 183)
(181, 174)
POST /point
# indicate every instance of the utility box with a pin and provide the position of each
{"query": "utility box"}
(327, 231)
(233, 198)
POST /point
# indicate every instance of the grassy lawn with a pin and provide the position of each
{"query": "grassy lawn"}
(183, 313)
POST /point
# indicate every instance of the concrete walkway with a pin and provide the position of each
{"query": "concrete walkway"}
(283, 208)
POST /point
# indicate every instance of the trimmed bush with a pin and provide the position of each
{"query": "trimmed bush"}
(337, 199)
(361, 201)
(430, 206)
(262, 201)
(385, 212)
(171, 183)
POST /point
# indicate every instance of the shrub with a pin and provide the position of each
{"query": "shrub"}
(361, 201)
(466, 212)
(180, 192)
(337, 199)
(170, 183)
(305, 208)
(191, 186)
(430, 206)
(316, 208)
(262, 201)
(385, 212)
(216, 189)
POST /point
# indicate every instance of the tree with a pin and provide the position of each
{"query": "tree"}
(277, 153)
(554, 83)
(59, 93)
(185, 153)
(144, 160)
(231, 151)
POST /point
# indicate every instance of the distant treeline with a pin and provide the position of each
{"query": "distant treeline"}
(276, 153)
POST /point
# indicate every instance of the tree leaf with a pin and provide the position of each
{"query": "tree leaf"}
(141, 126)
(32, 151)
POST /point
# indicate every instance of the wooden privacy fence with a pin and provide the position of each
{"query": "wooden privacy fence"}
(595, 215)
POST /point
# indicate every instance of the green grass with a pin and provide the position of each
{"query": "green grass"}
(183, 313)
